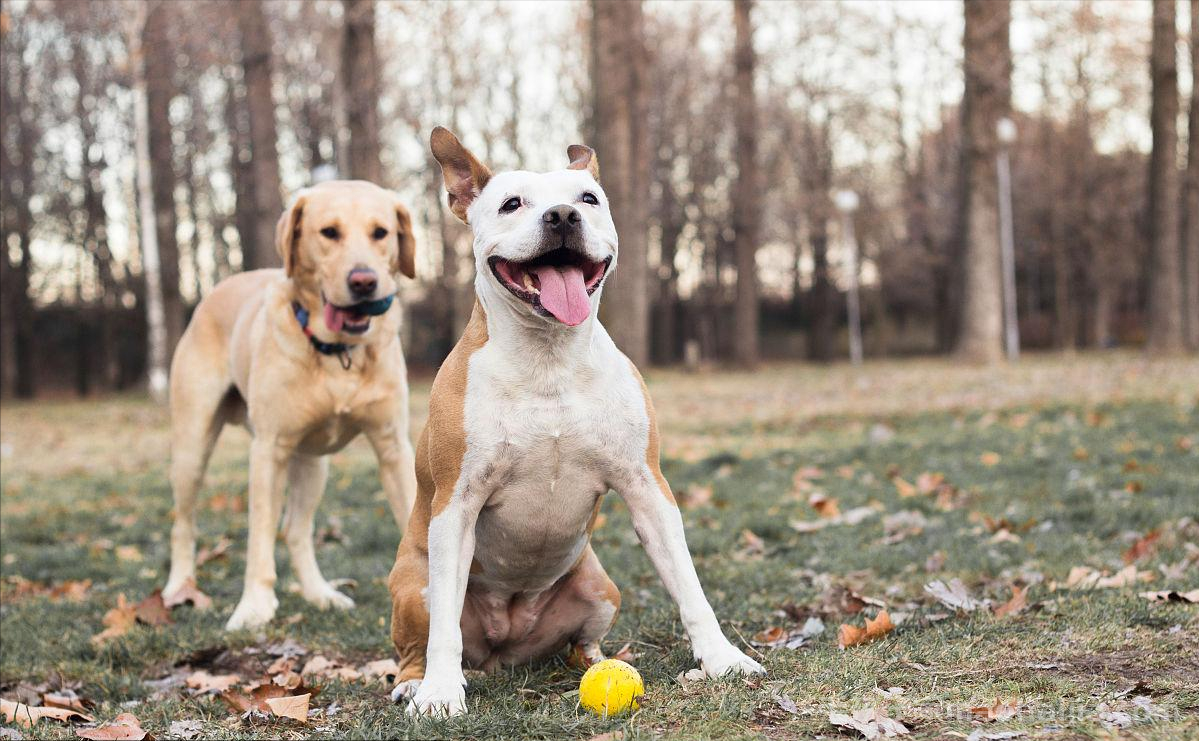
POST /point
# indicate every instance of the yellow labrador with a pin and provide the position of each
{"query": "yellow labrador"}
(307, 358)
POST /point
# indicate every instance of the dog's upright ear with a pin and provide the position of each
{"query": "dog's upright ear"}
(406, 255)
(582, 157)
(465, 177)
(287, 233)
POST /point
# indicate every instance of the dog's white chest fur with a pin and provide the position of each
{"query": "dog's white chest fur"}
(543, 443)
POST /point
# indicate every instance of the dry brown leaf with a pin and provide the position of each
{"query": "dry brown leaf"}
(319, 666)
(282, 664)
(1172, 596)
(383, 669)
(257, 696)
(202, 681)
(696, 496)
(189, 593)
(989, 459)
(625, 654)
(1017, 604)
(929, 483)
(1143, 547)
(290, 706)
(904, 488)
(824, 505)
(870, 722)
(217, 551)
(152, 610)
(117, 621)
(24, 715)
(287, 680)
(999, 710)
(753, 547)
(1083, 577)
(71, 591)
(125, 727)
(128, 553)
(851, 635)
(67, 699)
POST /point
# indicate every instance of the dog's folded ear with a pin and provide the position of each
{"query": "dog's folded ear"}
(406, 255)
(465, 177)
(287, 232)
(582, 157)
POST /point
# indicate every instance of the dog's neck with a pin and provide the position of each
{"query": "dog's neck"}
(535, 342)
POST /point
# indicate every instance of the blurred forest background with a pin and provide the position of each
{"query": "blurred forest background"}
(149, 147)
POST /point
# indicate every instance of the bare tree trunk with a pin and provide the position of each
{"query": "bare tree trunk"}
(359, 71)
(160, 62)
(1165, 295)
(619, 83)
(1190, 210)
(746, 196)
(241, 174)
(265, 193)
(151, 267)
(987, 98)
(816, 176)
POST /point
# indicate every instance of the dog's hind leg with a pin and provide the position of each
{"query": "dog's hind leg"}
(197, 416)
(306, 478)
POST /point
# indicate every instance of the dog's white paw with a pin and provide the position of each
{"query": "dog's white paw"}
(253, 611)
(727, 660)
(325, 596)
(405, 690)
(434, 696)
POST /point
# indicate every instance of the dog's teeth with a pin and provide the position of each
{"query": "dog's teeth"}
(529, 284)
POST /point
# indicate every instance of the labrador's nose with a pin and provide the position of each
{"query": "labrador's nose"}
(362, 282)
(561, 218)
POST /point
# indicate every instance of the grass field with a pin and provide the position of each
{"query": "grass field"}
(1055, 464)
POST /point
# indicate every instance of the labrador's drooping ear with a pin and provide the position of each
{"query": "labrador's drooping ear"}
(465, 177)
(287, 233)
(582, 157)
(405, 261)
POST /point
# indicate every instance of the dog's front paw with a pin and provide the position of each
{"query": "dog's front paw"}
(324, 596)
(253, 611)
(438, 697)
(727, 660)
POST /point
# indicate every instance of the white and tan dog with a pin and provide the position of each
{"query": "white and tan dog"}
(534, 416)
(307, 358)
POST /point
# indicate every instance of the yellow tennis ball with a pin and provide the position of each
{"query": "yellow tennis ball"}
(610, 687)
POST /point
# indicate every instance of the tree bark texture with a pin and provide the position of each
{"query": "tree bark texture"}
(266, 200)
(1165, 286)
(987, 99)
(359, 70)
(747, 211)
(1190, 209)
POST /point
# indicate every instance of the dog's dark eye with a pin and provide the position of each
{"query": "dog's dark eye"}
(378, 233)
(589, 198)
(330, 232)
(510, 205)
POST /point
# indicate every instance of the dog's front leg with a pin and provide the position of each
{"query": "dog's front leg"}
(268, 460)
(451, 548)
(397, 468)
(659, 526)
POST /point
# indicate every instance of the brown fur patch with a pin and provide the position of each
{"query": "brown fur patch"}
(652, 448)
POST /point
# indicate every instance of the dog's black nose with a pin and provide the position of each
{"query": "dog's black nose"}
(362, 281)
(561, 218)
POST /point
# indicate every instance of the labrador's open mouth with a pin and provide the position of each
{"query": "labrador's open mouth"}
(555, 284)
(349, 319)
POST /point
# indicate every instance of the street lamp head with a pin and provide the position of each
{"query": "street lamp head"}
(846, 201)
(1005, 129)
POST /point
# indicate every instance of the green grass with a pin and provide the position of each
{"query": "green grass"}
(1066, 467)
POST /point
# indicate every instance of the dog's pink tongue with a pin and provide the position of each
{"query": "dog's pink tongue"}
(334, 318)
(564, 293)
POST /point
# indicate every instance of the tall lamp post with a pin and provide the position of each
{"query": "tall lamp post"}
(1005, 131)
(847, 202)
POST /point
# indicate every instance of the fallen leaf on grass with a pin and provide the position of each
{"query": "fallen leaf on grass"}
(999, 710)
(319, 666)
(203, 682)
(24, 715)
(185, 729)
(152, 610)
(1017, 604)
(10, 734)
(953, 595)
(128, 553)
(776, 637)
(258, 696)
(1084, 577)
(1143, 547)
(125, 727)
(696, 496)
(852, 517)
(116, 621)
(66, 698)
(217, 551)
(1172, 596)
(824, 505)
(384, 669)
(989, 458)
(625, 653)
(290, 706)
(904, 488)
(902, 525)
(752, 547)
(870, 722)
(189, 593)
(851, 635)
